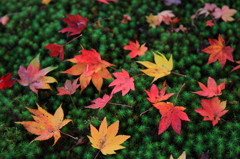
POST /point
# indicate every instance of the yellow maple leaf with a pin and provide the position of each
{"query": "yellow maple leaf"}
(182, 156)
(162, 67)
(105, 139)
(152, 20)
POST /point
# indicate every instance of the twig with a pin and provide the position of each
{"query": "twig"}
(73, 101)
(73, 39)
(180, 90)
(146, 111)
(178, 74)
(121, 105)
(96, 155)
(137, 75)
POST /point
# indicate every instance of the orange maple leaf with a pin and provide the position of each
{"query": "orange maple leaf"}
(34, 77)
(210, 23)
(105, 139)
(218, 51)
(89, 66)
(46, 125)
(136, 49)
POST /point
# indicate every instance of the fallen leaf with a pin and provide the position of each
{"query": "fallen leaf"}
(170, 115)
(152, 20)
(46, 125)
(236, 68)
(165, 13)
(6, 81)
(218, 51)
(89, 66)
(76, 24)
(46, 1)
(69, 88)
(182, 156)
(106, 139)
(225, 13)
(210, 7)
(123, 82)
(212, 110)
(100, 102)
(136, 49)
(56, 50)
(106, 1)
(181, 28)
(162, 67)
(156, 96)
(212, 89)
(34, 77)
(210, 23)
(4, 20)
(172, 2)
(126, 18)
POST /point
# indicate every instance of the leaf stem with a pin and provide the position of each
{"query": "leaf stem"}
(99, 21)
(96, 155)
(137, 75)
(146, 111)
(178, 74)
(180, 90)
(72, 101)
(120, 104)
(68, 135)
(73, 39)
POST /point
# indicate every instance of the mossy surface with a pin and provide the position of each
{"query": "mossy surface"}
(36, 25)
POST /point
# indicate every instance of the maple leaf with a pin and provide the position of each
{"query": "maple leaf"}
(6, 81)
(162, 67)
(100, 102)
(4, 20)
(76, 23)
(165, 13)
(225, 13)
(46, 1)
(210, 23)
(106, 139)
(182, 156)
(89, 66)
(106, 1)
(218, 51)
(34, 77)
(172, 2)
(126, 18)
(170, 115)
(156, 96)
(46, 125)
(180, 28)
(212, 89)
(212, 110)
(123, 82)
(56, 50)
(209, 6)
(170, 20)
(152, 20)
(136, 49)
(69, 87)
(237, 67)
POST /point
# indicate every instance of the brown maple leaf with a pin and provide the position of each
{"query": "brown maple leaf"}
(46, 125)
(218, 51)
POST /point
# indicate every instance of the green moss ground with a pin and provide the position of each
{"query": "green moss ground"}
(25, 35)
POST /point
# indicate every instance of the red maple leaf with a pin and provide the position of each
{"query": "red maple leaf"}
(76, 23)
(123, 82)
(212, 89)
(100, 102)
(156, 96)
(210, 23)
(218, 51)
(106, 1)
(34, 77)
(89, 66)
(56, 50)
(6, 81)
(69, 87)
(136, 49)
(170, 115)
(212, 109)
(237, 67)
